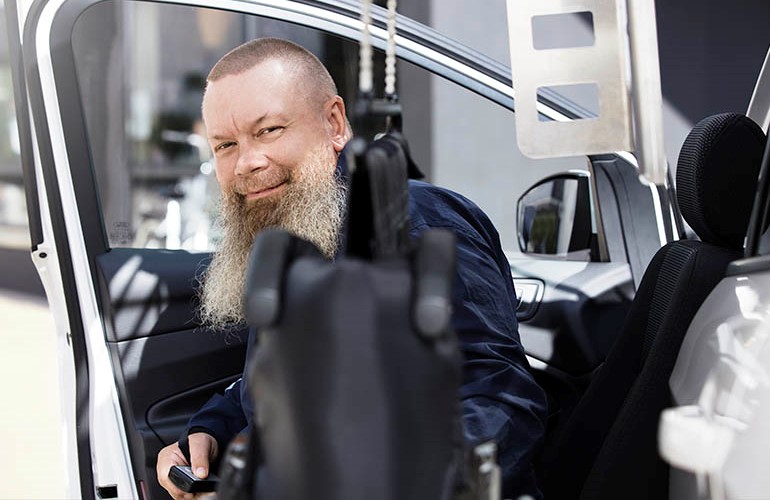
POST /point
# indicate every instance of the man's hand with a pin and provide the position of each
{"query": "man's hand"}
(203, 450)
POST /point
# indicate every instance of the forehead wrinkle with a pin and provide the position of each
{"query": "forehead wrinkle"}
(253, 124)
(288, 76)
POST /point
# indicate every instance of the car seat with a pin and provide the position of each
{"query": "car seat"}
(607, 449)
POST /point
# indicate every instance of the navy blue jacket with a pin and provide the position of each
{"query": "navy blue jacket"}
(500, 399)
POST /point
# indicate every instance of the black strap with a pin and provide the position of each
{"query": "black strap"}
(378, 213)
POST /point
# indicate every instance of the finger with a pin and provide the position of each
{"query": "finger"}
(173, 491)
(200, 453)
(169, 456)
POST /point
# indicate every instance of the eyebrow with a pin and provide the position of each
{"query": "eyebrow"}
(254, 124)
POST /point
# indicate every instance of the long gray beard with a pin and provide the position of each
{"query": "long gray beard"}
(312, 208)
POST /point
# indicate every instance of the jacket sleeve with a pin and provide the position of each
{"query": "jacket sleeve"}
(222, 416)
(500, 398)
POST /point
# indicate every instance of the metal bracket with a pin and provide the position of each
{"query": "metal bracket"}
(624, 51)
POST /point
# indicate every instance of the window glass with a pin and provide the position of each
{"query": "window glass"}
(474, 152)
(142, 68)
(141, 72)
(14, 229)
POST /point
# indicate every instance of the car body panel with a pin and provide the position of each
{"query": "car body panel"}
(721, 385)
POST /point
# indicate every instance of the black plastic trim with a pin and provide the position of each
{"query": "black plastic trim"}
(75, 129)
(665, 209)
(77, 331)
(110, 491)
(634, 202)
(673, 201)
(759, 212)
(612, 229)
(22, 124)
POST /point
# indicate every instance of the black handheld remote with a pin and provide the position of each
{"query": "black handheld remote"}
(183, 478)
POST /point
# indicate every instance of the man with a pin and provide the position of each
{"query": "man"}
(278, 129)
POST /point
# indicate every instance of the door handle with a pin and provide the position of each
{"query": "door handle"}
(529, 292)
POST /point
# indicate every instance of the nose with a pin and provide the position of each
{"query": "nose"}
(250, 159)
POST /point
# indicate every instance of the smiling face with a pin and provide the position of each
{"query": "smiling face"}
(275, 140)
(264, 124)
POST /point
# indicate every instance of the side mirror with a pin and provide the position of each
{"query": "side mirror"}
(555, 218)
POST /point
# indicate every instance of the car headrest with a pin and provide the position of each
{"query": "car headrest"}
(716, 177)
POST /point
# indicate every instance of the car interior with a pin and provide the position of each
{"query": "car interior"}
(608, 447)
(597, 450)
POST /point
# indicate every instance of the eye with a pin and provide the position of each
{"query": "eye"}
(222, 146)
(270, 130)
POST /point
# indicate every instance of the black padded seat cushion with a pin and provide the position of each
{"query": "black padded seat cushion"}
(621, 405)
(629, 465)
(719, 158)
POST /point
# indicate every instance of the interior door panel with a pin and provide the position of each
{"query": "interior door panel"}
(529, 293)
(169, 366)
(147, 292)
(581, 311)
(582, 308)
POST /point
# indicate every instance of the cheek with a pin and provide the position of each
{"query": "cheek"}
(224, 177)
(295, 147)
(288, 152)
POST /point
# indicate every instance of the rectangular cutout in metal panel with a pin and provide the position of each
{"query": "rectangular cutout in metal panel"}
(603, 63)
(562, 31)
(585, 94)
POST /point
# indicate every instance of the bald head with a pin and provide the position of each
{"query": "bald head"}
(308, 72)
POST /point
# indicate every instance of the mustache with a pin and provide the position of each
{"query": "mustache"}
(260, 181)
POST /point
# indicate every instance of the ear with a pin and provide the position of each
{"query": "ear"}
(339, 129)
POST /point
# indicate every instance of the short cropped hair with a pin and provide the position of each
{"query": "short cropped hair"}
(309, 70)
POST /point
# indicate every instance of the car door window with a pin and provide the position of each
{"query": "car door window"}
(142, 67)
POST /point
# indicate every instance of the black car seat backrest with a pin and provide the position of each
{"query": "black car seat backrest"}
(608, 447)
